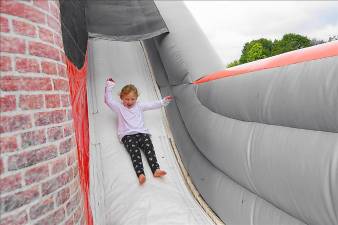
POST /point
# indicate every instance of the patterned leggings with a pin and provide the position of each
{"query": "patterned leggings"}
(133, 143)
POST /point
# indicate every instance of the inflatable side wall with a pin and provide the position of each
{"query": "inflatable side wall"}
(262, 148)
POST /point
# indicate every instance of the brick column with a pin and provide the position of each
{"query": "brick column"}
(39, 182)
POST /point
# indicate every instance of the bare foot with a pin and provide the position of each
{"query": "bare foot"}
(141, 179)
(159, 173)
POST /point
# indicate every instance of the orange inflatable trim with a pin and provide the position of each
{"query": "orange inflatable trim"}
(78, 95)
(306, 54)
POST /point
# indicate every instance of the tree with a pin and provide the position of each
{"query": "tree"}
(290, 42)
(315, 41)
(333, 38)
(256, 49)
(233, 63)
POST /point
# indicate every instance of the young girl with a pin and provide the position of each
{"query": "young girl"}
(131, 130)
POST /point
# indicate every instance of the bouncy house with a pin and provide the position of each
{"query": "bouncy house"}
(252, 144)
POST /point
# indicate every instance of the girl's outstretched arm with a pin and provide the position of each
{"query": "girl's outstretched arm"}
(108, 96)
(156, 104)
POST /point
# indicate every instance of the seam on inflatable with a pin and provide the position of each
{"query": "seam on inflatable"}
(248, 167)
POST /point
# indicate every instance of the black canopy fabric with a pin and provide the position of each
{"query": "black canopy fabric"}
(131, 20)
(124, 20)
(74, 30)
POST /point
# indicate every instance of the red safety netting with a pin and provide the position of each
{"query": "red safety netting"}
(78, 93)
(306, 54)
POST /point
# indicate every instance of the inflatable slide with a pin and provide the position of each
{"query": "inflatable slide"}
(258, 147)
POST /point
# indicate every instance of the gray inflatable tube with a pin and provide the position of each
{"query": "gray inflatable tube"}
(262, 148)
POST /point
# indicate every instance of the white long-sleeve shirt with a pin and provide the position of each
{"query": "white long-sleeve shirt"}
(130, 120)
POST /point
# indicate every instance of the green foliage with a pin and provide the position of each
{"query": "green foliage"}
(263, 48)
(233, 63)
(256, 49)
(290, 42)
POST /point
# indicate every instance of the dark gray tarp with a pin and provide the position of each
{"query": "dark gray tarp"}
(124, 20)
(74, 30)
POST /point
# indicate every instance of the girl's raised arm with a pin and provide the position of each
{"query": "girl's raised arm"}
(108, 96)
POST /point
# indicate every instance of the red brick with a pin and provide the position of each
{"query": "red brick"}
(66, 146)
(70, 221)
(14, 83)
(54, 24)
(71, 159)
(58, 40)
(54, 3)
(27, 102)
(4, 24)
(22, 10)
(52, 101)
(61, 84)
(62, 70)
(35, 84)
(55, 218)
(69, 114)
(65, 100)
(59, 165)
(68, 130)
(62, 196)
(41, 208)
(20, 218)
(54, 10)
(43, 50)
(7, 103)
(5, 63)
(14, 123)
(24, 28)
(74, 186)
(77, 215)
(73, 203)
(2, 169)
(46, 35)
(43, 4)
(55, 133)
(46, 118)
(10, 183)
(10, 83)
(12, 44)
(49, 68)
(25, 159)
(57, 182)
(82, 219)
(63, 58)
(27, 65)
(8, 144)
(13, 201)
(75, 170)
(36, 174)
(32, 138)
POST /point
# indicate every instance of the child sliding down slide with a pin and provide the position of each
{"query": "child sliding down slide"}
(131, 130)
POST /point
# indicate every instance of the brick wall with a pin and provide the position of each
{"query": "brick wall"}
(39, 182)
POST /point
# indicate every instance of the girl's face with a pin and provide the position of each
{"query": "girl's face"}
(129, 99)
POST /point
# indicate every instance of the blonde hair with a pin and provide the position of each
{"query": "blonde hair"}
(127, 89)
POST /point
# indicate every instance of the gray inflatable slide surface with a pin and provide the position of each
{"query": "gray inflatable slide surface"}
(261, 148)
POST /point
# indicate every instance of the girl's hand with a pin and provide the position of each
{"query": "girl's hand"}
(166, 100)
(169, 98)
(110, 82)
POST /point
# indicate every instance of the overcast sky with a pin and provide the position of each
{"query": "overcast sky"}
(229, 24)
